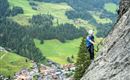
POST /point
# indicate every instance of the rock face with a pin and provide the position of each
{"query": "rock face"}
(124, 6)
(113, 61)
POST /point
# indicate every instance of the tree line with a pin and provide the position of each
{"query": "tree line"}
(6, 11)
(15, 37)
(42, 28)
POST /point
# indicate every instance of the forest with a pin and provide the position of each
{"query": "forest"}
(20, 38)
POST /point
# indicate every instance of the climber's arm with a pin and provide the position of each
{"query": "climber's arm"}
(90, 40)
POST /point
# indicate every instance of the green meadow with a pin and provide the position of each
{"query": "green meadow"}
(11, 63)
(101, 20)
(57, 51)
(55, 9)
(111, 7)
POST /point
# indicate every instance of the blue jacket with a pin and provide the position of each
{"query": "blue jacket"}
(88, 38)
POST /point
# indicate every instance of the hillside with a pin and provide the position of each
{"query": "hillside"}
(50, 37)
(57, 10)
(61, 11)
(105, 12)
(10, 63)
(59, 51)
(113, 61)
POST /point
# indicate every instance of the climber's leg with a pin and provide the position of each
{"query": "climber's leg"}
(89, 50)
(92, 53)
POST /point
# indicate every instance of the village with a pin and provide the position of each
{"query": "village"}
(52, 72)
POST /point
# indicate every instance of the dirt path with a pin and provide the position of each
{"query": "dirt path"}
(2, 56)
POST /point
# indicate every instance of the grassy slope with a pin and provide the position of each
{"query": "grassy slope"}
(11, 63)
(25, 5)
(57, 51)
(111, 7)
(55, 9)
(101, 20)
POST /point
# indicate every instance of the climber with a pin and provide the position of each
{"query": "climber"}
(90, 44)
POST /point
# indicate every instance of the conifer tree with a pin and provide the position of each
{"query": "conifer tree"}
(83, 61)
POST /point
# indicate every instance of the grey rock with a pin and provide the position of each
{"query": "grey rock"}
(113, 61)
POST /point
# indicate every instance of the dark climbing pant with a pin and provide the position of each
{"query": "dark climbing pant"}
(91, 51)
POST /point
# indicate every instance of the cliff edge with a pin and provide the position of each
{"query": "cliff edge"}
(113, 61)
